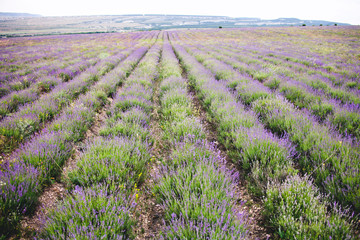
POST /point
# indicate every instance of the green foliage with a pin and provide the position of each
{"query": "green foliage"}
(351, 84)
(273, 83)
(11, 137)
(192, 185)
(261, 76)
(3, 91)
(180, 129)
(110, 161)
(298, 96)
(347, 122)
(43, 87)
(176, 112)
(265, 159)
(232, 84)
(343, 96)
(322, 110)
(297, 211)
(133, 102)
(91, 213)
(248, 94)
(19, 85)
(223, 75)
(49, 157)
(64, 76)
(318, 84)
(329, 68)
(134, 129)
(322, 154)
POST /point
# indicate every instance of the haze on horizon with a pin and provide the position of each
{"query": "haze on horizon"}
(345, 11)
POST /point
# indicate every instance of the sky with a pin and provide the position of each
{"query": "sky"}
(346, 11)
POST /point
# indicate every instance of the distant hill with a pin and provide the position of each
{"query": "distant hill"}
(10, 14)
(24, 24)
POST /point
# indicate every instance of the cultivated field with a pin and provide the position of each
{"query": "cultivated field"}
(193, 134)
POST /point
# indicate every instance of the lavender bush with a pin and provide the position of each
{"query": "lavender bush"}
(91, 213)
(109, 161)
(296, 210)
(17, 180)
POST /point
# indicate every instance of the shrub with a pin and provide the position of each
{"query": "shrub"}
(263, 155)
(347, 121)
(273, 83)
(251, 92)
(297, 96)
(108, 161)
(91, 213)
(322, 110)
(19, 191)
(261, 76)
(351, 84)
(197, 186)
(296, 210)
(127, 102)
(318, 84)
(3, 91)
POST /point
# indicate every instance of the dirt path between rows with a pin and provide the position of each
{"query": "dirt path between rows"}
(149, 212)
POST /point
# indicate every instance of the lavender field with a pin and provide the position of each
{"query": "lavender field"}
(248, 133)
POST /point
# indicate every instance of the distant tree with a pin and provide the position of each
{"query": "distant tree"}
(320, 24)
(304, 25)
(335, 24)
(220, 26)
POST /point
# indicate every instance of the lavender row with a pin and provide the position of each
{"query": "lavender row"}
(29, 119)
(268, 160)
(338, 107)
(62, 68)
(109, 171)
(302, 48)
(334, 83)
(131, 109)
(331, 159)
(335, 70)
(40, 160)
(194, 187)
(273, 156)
(263, 69)
(345, 118)
(62, 64)
(250, 55)
(44, 84)
(59, 50)
(52, 57)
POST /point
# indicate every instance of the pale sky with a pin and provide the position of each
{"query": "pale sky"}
(346, 11)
